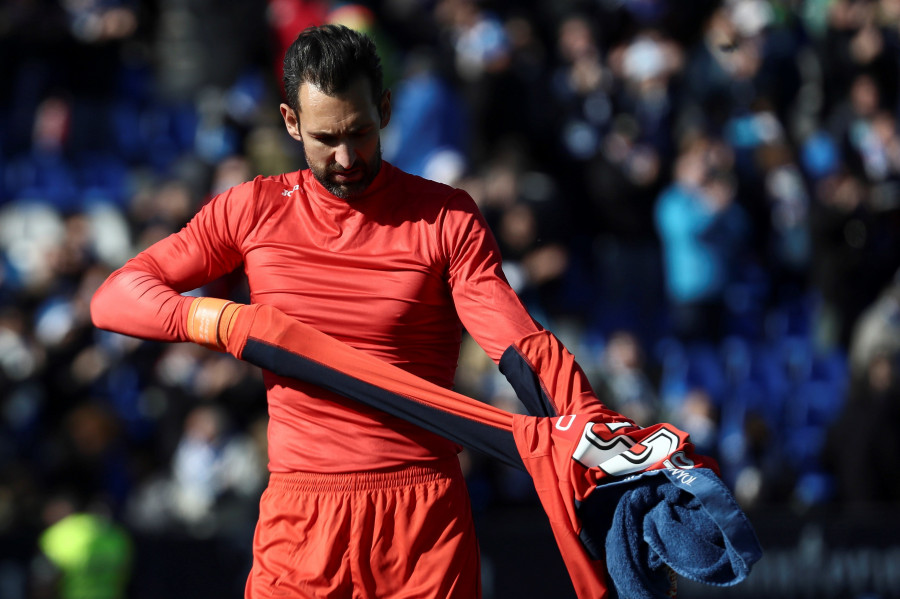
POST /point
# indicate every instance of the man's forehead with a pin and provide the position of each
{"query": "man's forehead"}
(356, 91)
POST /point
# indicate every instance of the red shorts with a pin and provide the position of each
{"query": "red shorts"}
(400, 533)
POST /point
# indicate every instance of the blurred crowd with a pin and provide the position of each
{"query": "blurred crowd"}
(701, 198)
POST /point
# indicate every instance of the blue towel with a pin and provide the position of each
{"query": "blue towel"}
(665, 521)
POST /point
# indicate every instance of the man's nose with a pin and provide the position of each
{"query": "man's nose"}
(345, 155)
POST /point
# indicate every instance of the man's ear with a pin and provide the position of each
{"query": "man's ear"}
(291, 122)
(385, 108)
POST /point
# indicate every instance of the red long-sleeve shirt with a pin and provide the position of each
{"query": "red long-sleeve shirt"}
(395, 273)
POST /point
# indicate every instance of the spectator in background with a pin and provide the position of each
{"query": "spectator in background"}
(853, 240)
(788, 243)
(213, 465)
(481, 55)
(860, 39)
(851, 124)
(703, 232)
(776, 194)
(709, 77)
(45, 170)
(429, 135)
(83, 553)
(646, 66)
(528, 215)
(581, 85)
(88, 455)
(697, 414)
(877, 331)
(623, 383)
(286, 18)
(533, 250)
(209, 49)
(860, 451)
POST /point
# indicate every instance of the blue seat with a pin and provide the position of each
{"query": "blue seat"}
(43, 177)
(103, 176)
(815, 403)
(737, 356)
(814, 487)
(671, 355)
(706, 370)
(802, 447)
(128, 131)
(797, 356)
(832, 366)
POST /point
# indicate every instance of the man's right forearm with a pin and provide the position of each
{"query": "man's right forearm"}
(136, 302)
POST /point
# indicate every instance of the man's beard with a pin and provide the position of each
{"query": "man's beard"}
(348, 191)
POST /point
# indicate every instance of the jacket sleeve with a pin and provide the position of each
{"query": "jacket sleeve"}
(144, 297)
(543, 373)
(548, 380)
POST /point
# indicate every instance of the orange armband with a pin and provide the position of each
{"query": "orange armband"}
(210, 320)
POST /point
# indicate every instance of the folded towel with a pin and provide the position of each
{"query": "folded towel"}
(670, 520)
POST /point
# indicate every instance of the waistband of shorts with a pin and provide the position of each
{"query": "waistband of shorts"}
(444, 469)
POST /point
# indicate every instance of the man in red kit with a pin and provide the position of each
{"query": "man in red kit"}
(359, 503)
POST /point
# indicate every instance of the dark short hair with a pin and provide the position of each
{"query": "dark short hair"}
(331, 57)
